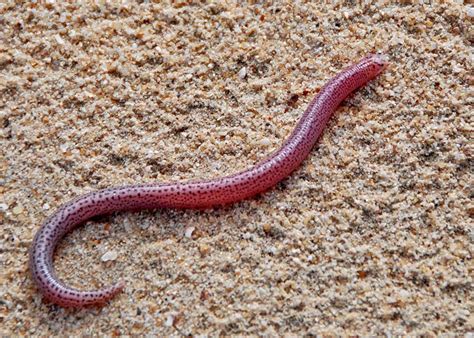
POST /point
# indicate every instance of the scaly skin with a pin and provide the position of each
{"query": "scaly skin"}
(196, 194)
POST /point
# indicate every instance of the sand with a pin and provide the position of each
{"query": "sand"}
(373, 234)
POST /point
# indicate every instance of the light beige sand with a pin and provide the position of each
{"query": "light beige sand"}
(373, 234)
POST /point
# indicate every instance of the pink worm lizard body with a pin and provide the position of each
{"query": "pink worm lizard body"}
(197, 194)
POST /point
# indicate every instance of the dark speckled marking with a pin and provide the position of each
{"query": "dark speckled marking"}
(198, 194)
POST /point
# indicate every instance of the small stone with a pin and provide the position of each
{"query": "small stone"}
(109, 256)
(18, 209)
(3, 207)
(46, 206)
(470, 11)
(267, 228)
(188, 233)
(271, 250)
(59, 39)
(169, 320)
(265, 142)
(243, 73)
(204, 249)
(64, 147)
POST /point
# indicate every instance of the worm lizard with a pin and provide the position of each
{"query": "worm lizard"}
(194, 194)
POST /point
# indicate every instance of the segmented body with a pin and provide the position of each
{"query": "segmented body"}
(197, 194)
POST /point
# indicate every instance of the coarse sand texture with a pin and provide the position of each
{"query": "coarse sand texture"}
(372, 234)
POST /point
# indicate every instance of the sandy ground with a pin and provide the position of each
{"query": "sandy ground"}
(372, 235)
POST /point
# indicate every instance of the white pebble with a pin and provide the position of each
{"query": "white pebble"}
(46, 206)
(64, 147)
(18, 209)
(109, 256)
(59, 39)
(188, 233)
(265, 142)
(169, 320)
(243, 73)
(3, 207)
(470, 11)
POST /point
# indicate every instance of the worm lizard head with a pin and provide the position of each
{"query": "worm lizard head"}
(379, 62)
